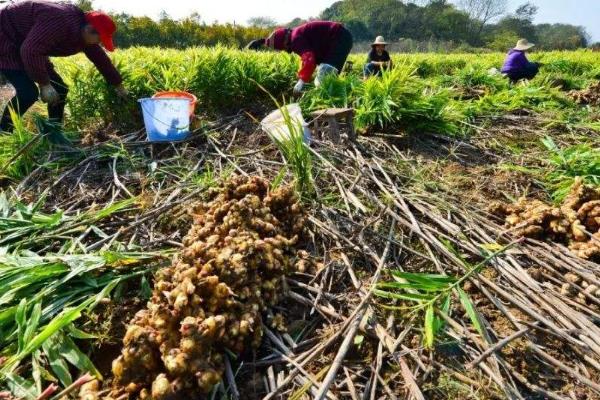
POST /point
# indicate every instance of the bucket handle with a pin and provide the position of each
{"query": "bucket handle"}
(162, 122)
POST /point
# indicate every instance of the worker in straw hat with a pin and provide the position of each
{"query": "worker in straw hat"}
(33, 31)
(321, 44)
(516, 66)
(378, 58)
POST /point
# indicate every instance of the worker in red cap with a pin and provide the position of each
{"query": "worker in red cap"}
(321, 44)
(33, 31)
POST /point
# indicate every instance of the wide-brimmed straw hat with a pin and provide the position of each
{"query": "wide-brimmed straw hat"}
(379, 40)
(524, 44)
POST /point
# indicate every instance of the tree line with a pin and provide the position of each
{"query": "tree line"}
(469, 24)
(475, 23)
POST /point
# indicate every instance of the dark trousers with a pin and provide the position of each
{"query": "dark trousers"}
(28, 94)
(339, 53)
(529, 72)
(372, 69)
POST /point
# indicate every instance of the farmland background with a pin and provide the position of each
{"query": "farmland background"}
(226, 79)
(436, 26)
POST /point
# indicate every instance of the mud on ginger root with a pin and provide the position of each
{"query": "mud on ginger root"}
(531, 218)
(589, 96)
(575, 223)
(241, 245)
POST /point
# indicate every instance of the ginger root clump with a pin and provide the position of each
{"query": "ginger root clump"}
(241, 245)
(576, 222)
(589, 96)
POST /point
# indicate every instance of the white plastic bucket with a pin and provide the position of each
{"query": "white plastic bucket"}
(275, 126)
(166, 120)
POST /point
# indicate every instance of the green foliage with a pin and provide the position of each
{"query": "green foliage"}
(502, 40)
(423, 92)
(25, 226)
(221, 78)
(568, 164)
(386, 100)
(441, 21)
(40, 298)
(432, 293)
(21, 150)
(395, 19)
(433, 22)
(476, 76)
(179, 34)
(398, 98)
(335, 91)
(560, 37)
(297, 155)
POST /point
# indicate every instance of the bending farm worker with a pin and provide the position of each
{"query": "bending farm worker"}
(517, 66)
(33, 31)
(378, 58)
(318, 43)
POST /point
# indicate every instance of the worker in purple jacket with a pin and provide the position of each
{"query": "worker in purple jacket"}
(321, 44)
(33, 31)
(516, 66)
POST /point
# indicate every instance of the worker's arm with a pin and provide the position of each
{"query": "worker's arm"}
(100, 59)
(303, 48)
(42, 38)
(370, 57)
(309, 65)
(387, 60)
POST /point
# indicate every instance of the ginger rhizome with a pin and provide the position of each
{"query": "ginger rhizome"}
(211, 299)
(576, 222)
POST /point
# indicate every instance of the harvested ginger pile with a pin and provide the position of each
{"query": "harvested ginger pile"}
(241, 245)
(575, 223)
(589, 96)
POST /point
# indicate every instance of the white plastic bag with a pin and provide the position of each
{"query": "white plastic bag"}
(276, 127)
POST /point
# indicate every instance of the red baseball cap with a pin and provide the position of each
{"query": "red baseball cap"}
(104, 25)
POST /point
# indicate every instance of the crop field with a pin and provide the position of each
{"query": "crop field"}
(451, 252)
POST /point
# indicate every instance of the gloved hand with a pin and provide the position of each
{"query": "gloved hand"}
(122, 92)
(49, 94)
(298, 88)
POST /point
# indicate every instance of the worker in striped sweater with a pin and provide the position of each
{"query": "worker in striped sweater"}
(33, 31)
(320, 44)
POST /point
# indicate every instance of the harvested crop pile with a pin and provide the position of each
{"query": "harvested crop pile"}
(241, 245)
(575, 223)
(589, 96)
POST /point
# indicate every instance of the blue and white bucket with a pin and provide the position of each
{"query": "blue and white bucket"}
(166, 120)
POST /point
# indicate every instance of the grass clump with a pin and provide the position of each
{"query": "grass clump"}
(296, 154)
(569, 164)
(21, 150)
